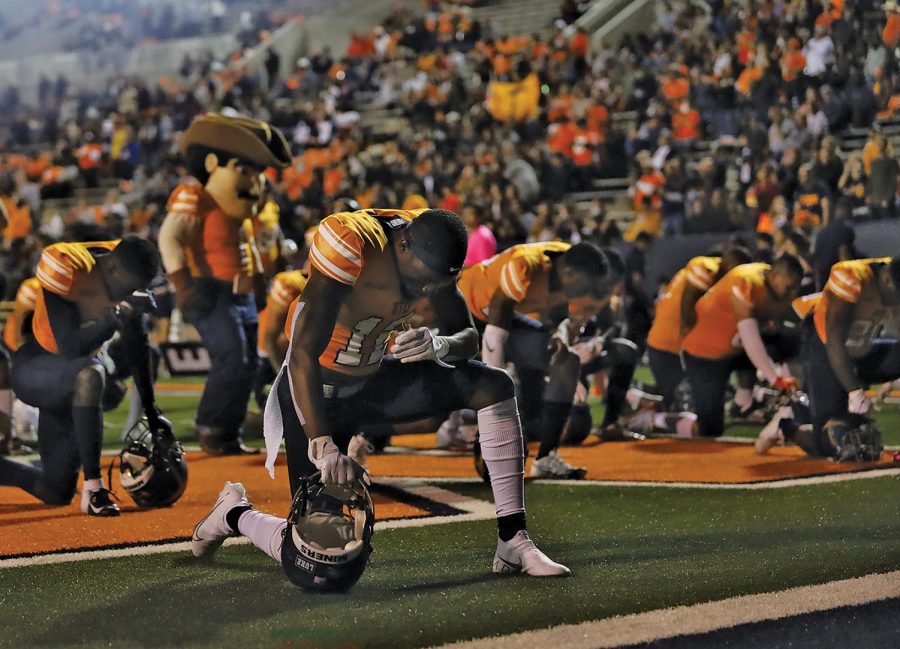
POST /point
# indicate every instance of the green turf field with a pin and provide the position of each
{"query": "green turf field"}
(630, 549)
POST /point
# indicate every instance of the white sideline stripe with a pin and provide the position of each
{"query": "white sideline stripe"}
(666, 623)
(770, 484)
(473, 508)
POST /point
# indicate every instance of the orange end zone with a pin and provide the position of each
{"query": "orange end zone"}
(28, 526)
(653, 460)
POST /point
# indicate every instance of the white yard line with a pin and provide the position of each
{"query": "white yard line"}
(769, 484)
(657, 625)
(473, 510)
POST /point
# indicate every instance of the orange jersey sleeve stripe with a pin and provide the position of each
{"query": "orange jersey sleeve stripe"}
(514, 280)
(27, 294)
(700, 273)
(336, 251)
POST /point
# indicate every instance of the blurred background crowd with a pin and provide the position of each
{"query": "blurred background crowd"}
(773, 116)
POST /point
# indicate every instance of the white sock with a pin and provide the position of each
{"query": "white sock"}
(633, 396)
(135, 410)
(661, 420)
(503, 452)
(93, 484)
(686, 424)
(743, 397)
(264, 531)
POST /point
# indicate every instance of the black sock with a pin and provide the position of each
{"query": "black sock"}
(553, 420)
(234, 515)
(87, 426)
(508, 526)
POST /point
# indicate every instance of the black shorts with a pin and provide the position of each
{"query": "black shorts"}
(396, 393)
(46, 380)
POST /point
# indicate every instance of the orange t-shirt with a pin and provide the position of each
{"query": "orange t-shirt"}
(218, 247)
(686, 126)
(891, 33)
(716, 329)
(665, 334)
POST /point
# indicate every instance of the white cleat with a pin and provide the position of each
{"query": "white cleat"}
(771, 434)
(554, 467)
(520, 555)
(213, 529)
(359, 449)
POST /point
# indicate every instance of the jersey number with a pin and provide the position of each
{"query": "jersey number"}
(352, 354)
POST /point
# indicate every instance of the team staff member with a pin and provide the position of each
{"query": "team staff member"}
(675, 316)
(544, 279)
(367, 271)
(726, 335)
(215, 267)
(273, 343)
(87, 289)
(851, 341)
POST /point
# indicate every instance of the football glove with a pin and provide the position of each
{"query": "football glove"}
(336, 467)
(858, 403)
(420, 345)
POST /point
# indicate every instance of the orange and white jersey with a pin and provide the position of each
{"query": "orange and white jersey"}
(806, 304)
(665, 334)
(851, 281)
(715, 333)
(66, 270)
(26, 297)
(352, 248)
(286, 287)
(522, 273)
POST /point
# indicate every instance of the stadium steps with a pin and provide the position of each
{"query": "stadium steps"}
(519, 16)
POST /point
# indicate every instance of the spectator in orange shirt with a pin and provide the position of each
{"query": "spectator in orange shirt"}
(891, 32)
(685, 125)
(676, 87)
(579, 44)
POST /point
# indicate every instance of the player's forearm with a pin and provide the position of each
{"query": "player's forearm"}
(274, 351)
(463, 344)
(306, 387)
(842, 365)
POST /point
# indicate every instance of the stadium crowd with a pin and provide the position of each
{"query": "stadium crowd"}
(724, 120)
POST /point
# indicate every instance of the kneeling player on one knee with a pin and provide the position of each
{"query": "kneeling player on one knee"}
(87, 292)
(368, 270)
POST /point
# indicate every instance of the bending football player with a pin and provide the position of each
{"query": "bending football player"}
(528, 298)
(726, 336)
(850, 341)
(367, 270)
(87, 291)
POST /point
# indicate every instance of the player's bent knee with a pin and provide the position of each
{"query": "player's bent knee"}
(624, 352)
(492, 386)
(89, 384)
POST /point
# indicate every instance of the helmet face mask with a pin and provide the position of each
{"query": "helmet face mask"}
(152, 468)
(854, 443)
(327, 541)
